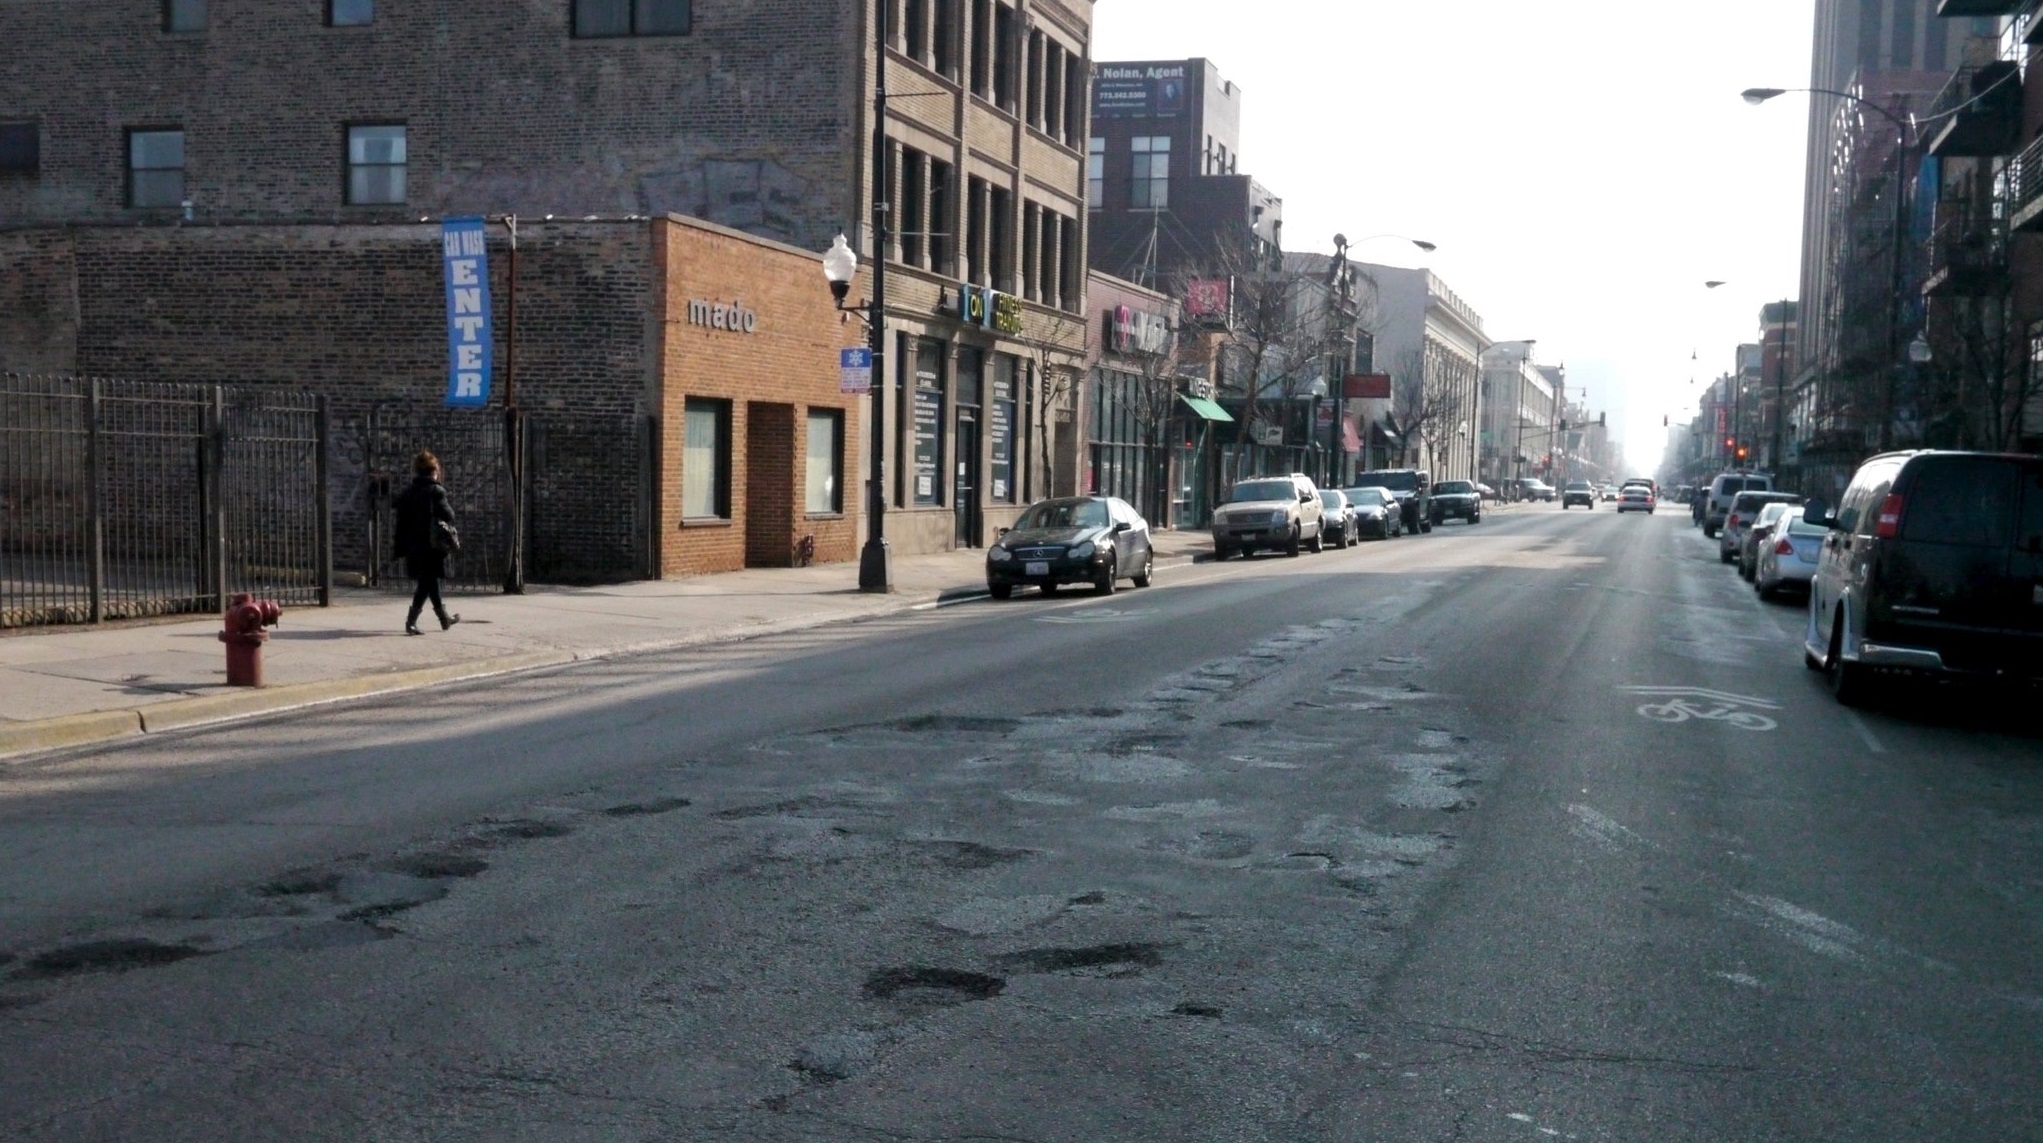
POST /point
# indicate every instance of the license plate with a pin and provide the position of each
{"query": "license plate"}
(1036, 567)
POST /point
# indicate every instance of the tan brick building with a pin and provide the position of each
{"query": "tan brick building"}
(305, 118)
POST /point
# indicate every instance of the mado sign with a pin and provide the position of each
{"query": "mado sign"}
(465, 254)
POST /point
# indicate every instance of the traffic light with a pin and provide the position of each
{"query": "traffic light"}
(1730, 442)
(1742, 451)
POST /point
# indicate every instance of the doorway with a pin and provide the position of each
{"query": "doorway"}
(966, 498)
(769, 485)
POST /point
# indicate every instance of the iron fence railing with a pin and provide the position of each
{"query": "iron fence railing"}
(125, 499)
(2025, 175)
(1968, 241)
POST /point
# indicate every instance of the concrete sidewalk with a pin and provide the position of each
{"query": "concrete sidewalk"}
(75, 685)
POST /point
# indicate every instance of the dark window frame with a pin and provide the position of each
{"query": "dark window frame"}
(128, 166)
(333, 14)
(720, 494)
(21, 146)
(196, 19)
(348, 164)
(634, 19)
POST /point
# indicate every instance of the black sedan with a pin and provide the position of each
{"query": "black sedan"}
(1097, 540)
(1456, 500)
(1376, 512)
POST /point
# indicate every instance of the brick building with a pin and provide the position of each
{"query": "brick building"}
(224, 143)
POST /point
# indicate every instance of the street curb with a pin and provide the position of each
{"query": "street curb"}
(94, 727)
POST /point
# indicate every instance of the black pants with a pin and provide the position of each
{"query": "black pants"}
(428, 589)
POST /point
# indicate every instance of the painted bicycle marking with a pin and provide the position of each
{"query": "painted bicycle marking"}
(1683, 704)
(1099, 615)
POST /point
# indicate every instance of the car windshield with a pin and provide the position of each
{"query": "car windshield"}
(1797, 526)
(1770, 513)
(1364, 497)
(1064, 514)
(1332, 498)
(1395, 481)
(1454, 488)
(1579, 486)
(1251, 490)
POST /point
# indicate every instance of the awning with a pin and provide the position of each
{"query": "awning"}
(1205, 408)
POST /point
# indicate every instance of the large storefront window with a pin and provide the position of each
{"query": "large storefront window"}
(706, 460)
(1122, 442)
(1000, 421)
(926, 425)
(824, 491)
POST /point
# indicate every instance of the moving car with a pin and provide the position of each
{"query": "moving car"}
(1757, 536)
(1932, 564)
(1413, 490)
(1377, 512)
(1789, 557)
(1269, 512)
(1073, 539)
(1745, 508)
(1635, 498)
(1339, 516)
(1610, 492)
(1486, 491)
(1578, 492)
(1725, 487)
(1457, 500)
(1533, 488)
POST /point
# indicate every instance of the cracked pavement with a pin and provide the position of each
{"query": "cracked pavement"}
(1364, 846)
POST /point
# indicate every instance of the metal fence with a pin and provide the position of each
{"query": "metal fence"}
(124, 499)
(474, 453)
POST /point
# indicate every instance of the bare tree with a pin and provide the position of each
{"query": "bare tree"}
(1059, 371)
(1427, 406)
(1975, 389)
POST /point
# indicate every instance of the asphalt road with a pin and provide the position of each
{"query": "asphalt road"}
(1532, 830)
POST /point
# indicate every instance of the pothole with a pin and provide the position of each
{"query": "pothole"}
(1208, 845)
(922, 983)
(303, 884)
(437, 866)
(522, 829)
(1204, 1011)
(103, 956)
(640, 809)
(956, 724)
(1112, 960)
(964, 855)
(791, 807)
(1249, 723)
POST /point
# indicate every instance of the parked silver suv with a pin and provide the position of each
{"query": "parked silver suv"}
(1269, 512)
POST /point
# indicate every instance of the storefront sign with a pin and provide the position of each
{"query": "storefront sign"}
(730, 316)
(1000, 416)
(1210, 301)
(1366, 387)
(1266, 433)
(928, 434)
(989, 309)
(1137, 331)
(855, 371)
(1138, 92)
(464, 254)
(1200, 387)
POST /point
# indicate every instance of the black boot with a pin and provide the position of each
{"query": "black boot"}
(447, 620)
(411, 624)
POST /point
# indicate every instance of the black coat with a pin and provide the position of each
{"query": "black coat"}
(418, 507)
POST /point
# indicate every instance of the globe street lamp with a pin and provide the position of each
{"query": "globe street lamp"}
(840, 266)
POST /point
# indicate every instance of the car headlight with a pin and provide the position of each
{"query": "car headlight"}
(1280, 517)
(999, 555)
(1083, 551)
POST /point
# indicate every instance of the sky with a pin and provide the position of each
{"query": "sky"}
(1583, 165)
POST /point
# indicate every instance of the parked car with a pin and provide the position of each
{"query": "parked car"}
(1074, 539)
(1636, 498)
(1339, 516)
(1376, 512)
(1413, 489)
(1533, 488)
(1457, 500)
(1578, 492)
(1486, 492)
(1744, 510)
(1723, 489)
(1933, 564)
(1269, 512)
(1758, 535)
(1789, 557)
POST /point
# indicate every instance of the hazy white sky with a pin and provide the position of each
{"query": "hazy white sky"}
(1584, 165)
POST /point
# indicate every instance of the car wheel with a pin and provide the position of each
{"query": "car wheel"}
(1724, 557)
(1000, 590)
(1049, 589)
(1852, 683)
(1319, 539)
(1710, 531)
(1475, 519)
(1148, 569)
(1767, 591)
(1220, 553)
(1103, 583)
(1296, 545)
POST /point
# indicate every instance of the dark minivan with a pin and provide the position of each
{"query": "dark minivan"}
(1934, 565)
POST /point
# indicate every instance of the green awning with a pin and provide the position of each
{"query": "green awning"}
(1205, 408)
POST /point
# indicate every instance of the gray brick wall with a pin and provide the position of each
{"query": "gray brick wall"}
(749, 121)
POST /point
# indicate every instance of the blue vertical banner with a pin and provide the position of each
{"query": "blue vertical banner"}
(464, 253)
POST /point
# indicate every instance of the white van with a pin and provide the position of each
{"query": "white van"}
(1724, 489)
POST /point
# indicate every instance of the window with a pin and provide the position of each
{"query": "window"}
(914, 215)
(376, 158)
(974, 248)
(1963, 500)
(1000, 238)
(155, 168)
(1151, 188)
(1076, 89)
(824, 475)
(938, 224)
(982, 42)
(184, 15)
(1096, 173)
(915, 30)
(944, 51)
(600, 19)
(1005, 44)
(706, 460)
(350, 13)
(1053, 89)
(20, 146)
(1032, 108)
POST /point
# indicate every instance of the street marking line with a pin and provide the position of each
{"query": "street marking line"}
(1865, 732)
(1704, 692)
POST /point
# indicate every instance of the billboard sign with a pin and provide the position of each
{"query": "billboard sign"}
(1366, 387)
(464, 256)
(1139, 92)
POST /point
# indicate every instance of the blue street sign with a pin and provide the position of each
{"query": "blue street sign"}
(855, 371)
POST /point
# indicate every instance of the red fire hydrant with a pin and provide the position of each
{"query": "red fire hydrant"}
(244, 636)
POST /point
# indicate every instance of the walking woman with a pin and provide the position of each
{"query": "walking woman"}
(424, 536)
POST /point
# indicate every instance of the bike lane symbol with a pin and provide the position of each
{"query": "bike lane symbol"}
(1681, 704)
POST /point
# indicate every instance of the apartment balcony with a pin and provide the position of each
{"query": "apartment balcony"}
(1979, 113)
(1980, 7)
(2025, 183)
(1968, 256)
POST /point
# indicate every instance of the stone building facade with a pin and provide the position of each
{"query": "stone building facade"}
(198, 127)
